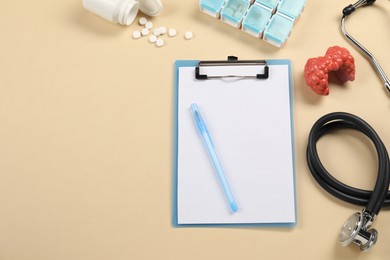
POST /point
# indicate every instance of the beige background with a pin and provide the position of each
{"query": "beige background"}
(86, 133)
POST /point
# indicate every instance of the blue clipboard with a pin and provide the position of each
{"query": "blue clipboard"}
(259, 183)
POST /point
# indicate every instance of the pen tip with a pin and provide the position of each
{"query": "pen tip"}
(234, 207)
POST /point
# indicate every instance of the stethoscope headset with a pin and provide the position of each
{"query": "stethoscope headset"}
(357, 228)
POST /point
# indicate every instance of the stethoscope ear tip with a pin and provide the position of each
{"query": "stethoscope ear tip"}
(348, 10)
(352, 7)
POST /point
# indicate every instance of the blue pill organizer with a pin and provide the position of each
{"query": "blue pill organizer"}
(233, 12)
(271, 4)
(211, 7)
(291, 8)
(256, 20)
(270, 20)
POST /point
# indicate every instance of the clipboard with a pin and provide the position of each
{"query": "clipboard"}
(248, 109)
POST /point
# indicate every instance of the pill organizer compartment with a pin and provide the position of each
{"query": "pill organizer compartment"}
(246, 14)
(271, 4)
(256, 19)
(233, 12)
(211, 7)
(278, 29)
(291, 8)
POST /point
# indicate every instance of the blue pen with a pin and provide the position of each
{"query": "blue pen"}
(211, 151)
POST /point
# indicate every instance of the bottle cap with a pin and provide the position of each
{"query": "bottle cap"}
(150, 7)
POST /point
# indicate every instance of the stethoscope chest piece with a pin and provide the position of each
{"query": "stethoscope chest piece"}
(355, 230)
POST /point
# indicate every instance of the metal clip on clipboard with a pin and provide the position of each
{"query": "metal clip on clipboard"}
(232, 61)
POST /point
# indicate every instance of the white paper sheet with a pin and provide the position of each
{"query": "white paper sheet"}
(250, 123)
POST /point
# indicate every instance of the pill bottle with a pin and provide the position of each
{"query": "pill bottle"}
(122, 11)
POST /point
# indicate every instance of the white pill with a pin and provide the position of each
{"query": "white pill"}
(172, 32)
(142, 21)
(136, 34)
(163, 30)
(160, 43)
(145, 31)
(157, 31)
(149, 25)
(152, 38)
(188, 35)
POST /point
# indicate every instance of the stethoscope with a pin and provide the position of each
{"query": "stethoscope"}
(346, 12)
(357, 228)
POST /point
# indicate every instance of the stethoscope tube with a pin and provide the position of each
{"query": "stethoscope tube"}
(357, 227)
(346, 12)
(373, 200)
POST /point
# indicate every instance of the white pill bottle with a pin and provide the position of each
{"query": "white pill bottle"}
(122, 11)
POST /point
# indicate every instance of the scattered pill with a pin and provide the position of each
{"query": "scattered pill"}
(160, 43)
(152, 38)
(172, 32)
(163, 30)
(149, 25)
(136, 34)
(188, 35)
(157, 31)
(145, 31)
(142, 21)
